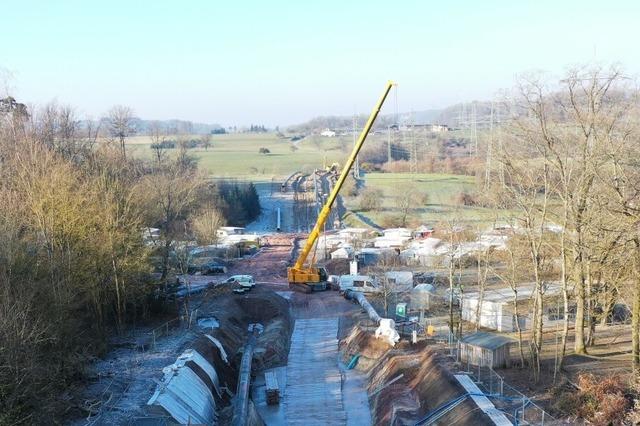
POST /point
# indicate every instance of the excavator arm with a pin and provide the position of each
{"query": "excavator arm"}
(310, 276)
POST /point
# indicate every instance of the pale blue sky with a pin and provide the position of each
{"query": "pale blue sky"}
(282, 62)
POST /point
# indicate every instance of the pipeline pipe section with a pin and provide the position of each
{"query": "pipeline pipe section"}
(386, 327)
(362, 300)
(241, 407)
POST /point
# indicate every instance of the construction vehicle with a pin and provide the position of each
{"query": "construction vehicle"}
(309, 277)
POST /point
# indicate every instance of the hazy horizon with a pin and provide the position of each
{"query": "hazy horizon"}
(283, 63)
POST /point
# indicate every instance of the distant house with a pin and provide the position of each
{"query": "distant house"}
(328, 133)
(351, 235)
(393, 238)
(424, 251)
(486, 349)
(436, 128)
(422, 232)
(439, 128)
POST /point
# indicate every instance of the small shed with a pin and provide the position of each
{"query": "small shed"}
(486, 349)
(421, 296)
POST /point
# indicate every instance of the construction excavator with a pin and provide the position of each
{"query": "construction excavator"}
(308, 277)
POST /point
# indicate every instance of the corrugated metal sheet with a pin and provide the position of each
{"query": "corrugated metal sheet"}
(497, 416)
(487, 340)
(313, 395)
(184, 395)
(200, 361)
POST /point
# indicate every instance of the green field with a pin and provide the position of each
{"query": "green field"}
(237, 156)
(441, 190)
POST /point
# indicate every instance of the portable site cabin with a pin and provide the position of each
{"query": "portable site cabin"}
(360, 283)
(424, 251)
(486, 349)
(370, 256)
(497, 309)
(352, 235)
(402, 280)
(344, 252)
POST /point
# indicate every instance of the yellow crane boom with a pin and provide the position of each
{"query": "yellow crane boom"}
(310, 276)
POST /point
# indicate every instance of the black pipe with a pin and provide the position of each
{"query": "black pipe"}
(241, 407)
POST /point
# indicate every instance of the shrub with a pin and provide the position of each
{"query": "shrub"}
(391, 221)
(599, 400)
(371, 199)
(264, 150)
(465, 198)
(350, 186)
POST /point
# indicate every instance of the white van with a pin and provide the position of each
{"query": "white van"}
(361, 283)
(244, 280)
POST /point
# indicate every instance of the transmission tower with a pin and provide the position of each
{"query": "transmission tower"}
(414, 148)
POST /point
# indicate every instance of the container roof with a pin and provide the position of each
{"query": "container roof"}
(487, 340)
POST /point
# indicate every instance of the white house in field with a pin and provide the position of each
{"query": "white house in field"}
(328, 133)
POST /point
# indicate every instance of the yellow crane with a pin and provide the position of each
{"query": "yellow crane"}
(308, 278)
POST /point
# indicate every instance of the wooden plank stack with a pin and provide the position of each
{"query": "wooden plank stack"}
(272, 389)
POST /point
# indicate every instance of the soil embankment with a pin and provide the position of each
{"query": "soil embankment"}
(420, 382)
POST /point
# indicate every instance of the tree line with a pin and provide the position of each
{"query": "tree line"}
(74, 266)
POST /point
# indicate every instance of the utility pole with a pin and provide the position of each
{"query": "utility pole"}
(388, 145)
(487, 175)
(475, 128)
(414, 149)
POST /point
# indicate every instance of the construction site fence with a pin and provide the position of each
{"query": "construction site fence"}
(519, 408)
(182, 322)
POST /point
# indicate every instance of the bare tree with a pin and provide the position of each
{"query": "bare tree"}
(158, 137)
(205, 141)
(171, 195)
(206, 224)
(120, 122)
(409, 199)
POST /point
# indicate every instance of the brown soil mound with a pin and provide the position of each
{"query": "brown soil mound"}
(424, 386)
(363, 343)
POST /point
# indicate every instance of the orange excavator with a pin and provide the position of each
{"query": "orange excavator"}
(308, 277)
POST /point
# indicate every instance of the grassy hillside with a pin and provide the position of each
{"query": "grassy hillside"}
(237, 156)
(441, 189)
